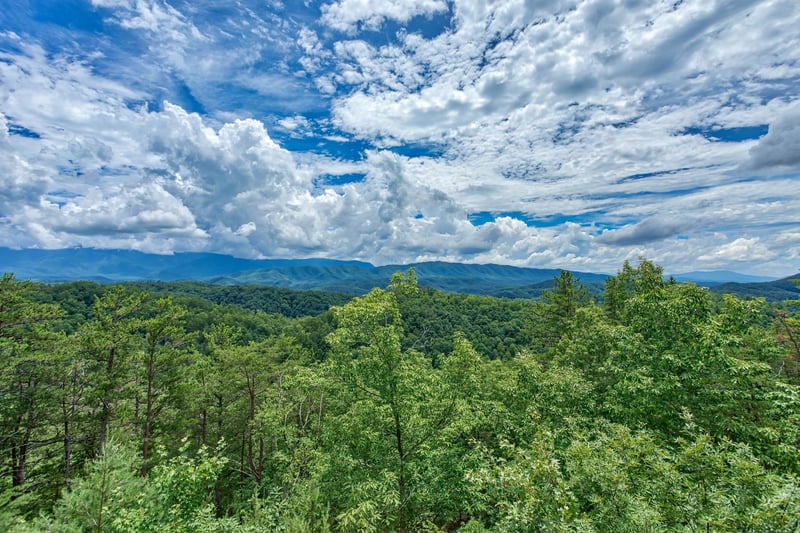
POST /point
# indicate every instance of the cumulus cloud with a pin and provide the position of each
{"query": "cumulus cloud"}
(568, 117)
(22, 183)
(145, 208)
(779, 149)
(740, 250)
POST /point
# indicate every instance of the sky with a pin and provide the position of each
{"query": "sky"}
(551, 133)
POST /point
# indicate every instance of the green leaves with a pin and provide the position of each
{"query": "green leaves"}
(398, 417)
(664, 409)
(108, 498)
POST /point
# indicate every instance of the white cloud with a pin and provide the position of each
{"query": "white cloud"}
(145, 208)
(159, 19)
(347, 15)
(590, 118)
(551, 118)
(313, 49)
(3, 128)
(246, 229)
(21, 183)
(779, 149)
(742, 249)
(297, 124)
(249, 194)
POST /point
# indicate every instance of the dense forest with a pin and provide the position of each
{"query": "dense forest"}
(656, 406)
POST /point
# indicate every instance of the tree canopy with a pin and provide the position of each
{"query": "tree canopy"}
(659, 407)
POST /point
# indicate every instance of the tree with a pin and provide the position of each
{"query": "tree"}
(163, 335)
(109, 498)
(390, 416)
(112, 498)
(647, 276)
(787, 328)
(69, 383)
(25, 345)
(554, 321)
(246, 375)
(366, 356)
(108, 343)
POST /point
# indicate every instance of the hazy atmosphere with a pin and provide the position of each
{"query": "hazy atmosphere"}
(532, 133)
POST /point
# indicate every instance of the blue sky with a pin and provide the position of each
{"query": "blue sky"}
(566, 134)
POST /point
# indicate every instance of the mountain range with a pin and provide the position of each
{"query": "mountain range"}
(350, 277)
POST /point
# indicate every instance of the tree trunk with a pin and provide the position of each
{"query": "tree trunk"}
(104, 416)
(149, 411)
(203, 426)
(203, 413)
(19, 452)
(19, 459)
(105, 413)
(401, 475)
(256, 467)
(67, 451)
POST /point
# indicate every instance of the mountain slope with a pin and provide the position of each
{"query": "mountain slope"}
(716, 277)
(775, 291)
(129, 265)
(349, 277)
(353, 279)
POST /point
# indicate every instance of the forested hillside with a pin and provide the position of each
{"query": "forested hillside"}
(184, 407)
(348, 277)
(781, 289)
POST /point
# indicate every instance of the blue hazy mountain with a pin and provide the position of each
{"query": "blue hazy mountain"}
(92, 264)
(717, 277)
(780, 289)
(351, 277)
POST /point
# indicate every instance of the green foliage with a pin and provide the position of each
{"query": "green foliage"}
(665, 408)
(269, 300)
(26, 372)
(629, 281)
(497, 328)
(772, 291)
(109, 344)
(787, 329)
(183, 489)
(392, 420)
(109, 498)
(565, 298)
(554, 320)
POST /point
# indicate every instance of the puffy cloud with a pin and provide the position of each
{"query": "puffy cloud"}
(21, 183)
(295, 124)
(143, 217)
(741, 250)
(779, 149)
(143, 209)
(589, 119)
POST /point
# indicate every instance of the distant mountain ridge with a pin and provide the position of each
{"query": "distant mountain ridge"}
(350, 277)
(775, 291)
(716, 277)
(91, 264)
(354, 279)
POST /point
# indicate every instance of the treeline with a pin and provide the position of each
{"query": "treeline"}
(136, 408)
